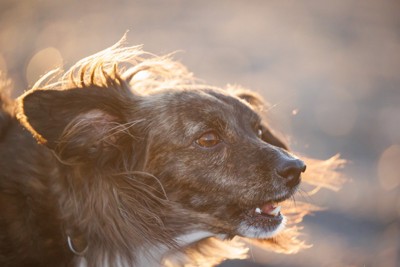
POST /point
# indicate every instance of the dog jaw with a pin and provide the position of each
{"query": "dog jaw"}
(264, 222)
(246, 229)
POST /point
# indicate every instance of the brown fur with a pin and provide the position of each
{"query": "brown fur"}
(116, 169)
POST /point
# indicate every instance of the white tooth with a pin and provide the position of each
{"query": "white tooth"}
(258, 210)
(276, 211)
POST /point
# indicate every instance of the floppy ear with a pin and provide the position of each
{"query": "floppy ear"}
(250, 97)
(75, 122)
(271, 138)
(258, 104)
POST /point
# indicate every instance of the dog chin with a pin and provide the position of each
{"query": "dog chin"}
(265, 230)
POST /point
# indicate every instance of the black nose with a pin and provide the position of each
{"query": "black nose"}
(291, 170)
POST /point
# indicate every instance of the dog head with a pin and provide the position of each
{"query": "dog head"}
(158, 156)
(214, 155)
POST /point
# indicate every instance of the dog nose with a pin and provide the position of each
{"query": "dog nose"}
(291, 170)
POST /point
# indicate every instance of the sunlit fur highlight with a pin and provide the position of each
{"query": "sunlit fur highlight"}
(5, 91)
(127, 68)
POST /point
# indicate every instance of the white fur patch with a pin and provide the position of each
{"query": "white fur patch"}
(151, 256)
(251, 231)
(193, 237)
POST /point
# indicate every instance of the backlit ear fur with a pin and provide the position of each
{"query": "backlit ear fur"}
(97, 93)
(6, 104)
(250, 97)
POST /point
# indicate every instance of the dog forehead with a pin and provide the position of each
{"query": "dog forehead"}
(195, 111)
(204, 103)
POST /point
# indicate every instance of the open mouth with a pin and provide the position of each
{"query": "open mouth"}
(268, 210)
(263, 221)
(267, 216)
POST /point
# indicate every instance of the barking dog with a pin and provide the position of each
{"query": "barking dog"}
(126, 161)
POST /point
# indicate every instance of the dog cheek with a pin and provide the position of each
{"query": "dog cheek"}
(183, 173)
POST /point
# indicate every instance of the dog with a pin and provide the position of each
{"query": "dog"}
(127, 160)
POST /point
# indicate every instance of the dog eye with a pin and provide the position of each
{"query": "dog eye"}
(208, 139)
(259, 132)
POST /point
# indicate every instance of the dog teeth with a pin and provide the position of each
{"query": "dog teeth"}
(275, 212)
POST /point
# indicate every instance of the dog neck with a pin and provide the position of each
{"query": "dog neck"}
(157, 255)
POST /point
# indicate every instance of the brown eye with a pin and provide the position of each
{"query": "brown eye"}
(208, 139)
(259, 132)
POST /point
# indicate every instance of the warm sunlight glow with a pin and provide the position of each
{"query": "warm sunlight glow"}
(43, 61)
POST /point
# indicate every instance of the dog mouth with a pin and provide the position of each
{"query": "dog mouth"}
(263, 220)
(270, 210)
(266, 216)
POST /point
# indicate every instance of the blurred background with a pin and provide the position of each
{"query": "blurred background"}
(331, 70)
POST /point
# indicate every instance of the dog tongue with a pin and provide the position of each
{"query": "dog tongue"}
(270, 209)
(267, 208)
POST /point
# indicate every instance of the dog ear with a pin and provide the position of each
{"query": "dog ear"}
(258, 104)
(250, 97)
(271, 138)
(76, 122)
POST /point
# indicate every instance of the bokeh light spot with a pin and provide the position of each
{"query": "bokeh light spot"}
(389, 168)
(43, 61)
